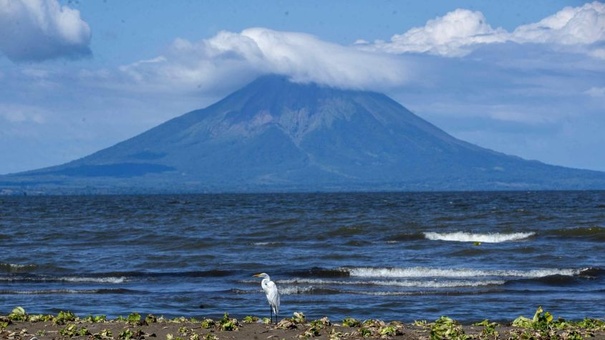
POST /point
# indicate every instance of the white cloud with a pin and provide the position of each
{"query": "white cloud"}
(229, 57)
(450, 35)
(570, 26)
(35, 30)
(306, 58)
(459, 32)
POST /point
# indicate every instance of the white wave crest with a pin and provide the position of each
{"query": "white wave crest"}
(110, 280)
(427, 283)
(15, 266)
(113, 280)
(293, 290)
(462, 236)
(418, 272)
(51, 291)
(438, 284)
(262, 244)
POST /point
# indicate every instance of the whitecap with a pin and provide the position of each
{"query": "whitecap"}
(16, 267)
(113, 280)
(418, 272)
(426, 283)
(294, 290)
(461, 236)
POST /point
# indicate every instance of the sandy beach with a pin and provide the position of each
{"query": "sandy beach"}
(288, 328)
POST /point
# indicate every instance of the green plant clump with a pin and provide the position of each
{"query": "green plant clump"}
(40, 318)
(544, 325)
(316, 326)
(104, 334)
(228, 324)
(72, 330)
(592, 324)
(18, 314)
(299, 318)
(95, 318)
(150, 318)
(351, 322)
(250, 319)
(126, 334)
(64, 317)
(208, 323)
(489, 328)
(134, 318)
(378, 328)
(446, 328)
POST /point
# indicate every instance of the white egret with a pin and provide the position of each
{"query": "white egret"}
(272, 293)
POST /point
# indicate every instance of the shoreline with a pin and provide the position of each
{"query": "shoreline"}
(65, 325)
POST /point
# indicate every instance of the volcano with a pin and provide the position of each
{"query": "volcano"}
(277, 135)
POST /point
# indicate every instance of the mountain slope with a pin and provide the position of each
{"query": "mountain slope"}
(277, 135)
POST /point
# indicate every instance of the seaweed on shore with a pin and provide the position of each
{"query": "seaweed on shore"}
(66, 325)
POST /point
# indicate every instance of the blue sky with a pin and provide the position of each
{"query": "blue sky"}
(525, 78)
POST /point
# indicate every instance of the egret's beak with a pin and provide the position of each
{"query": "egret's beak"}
(256, 275)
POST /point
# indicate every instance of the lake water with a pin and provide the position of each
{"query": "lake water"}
(391, 256)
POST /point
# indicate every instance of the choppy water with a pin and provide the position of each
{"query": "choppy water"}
(392, 256)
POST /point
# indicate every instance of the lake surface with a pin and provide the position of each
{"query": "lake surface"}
(391, 256)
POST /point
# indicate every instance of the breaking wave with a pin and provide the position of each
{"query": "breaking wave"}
(68, 291)
(70, 279)
(425, 280)
(462, 236)
(397, 283)
(416, 272)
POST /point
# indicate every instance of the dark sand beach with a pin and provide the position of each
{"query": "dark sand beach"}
(159, 328)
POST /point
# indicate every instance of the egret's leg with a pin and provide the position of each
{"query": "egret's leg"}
(270, 314)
